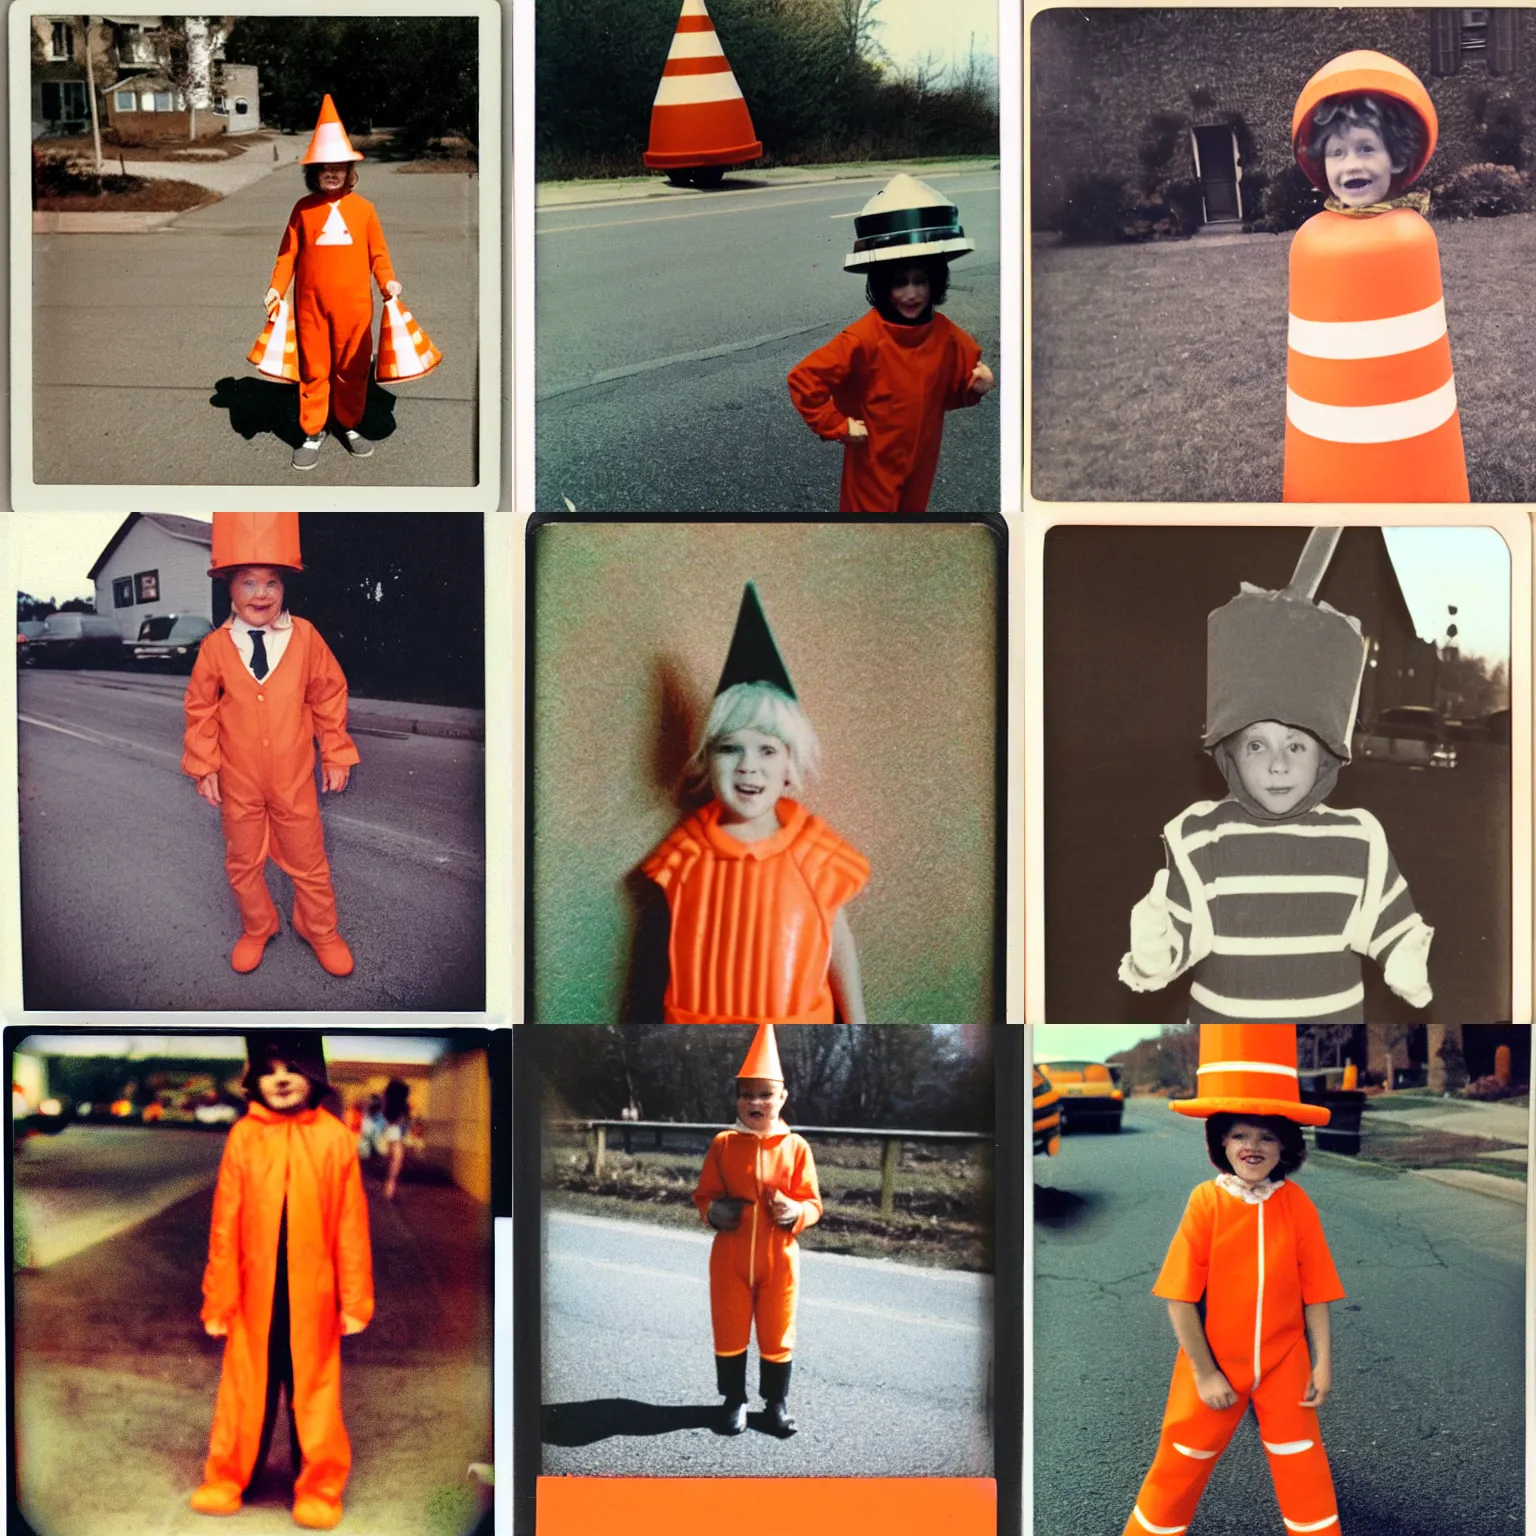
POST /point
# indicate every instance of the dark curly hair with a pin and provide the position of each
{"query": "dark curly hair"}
(1293, 1149)
(264, 1054)
(1402, 131)
(312, 176)
(881, 279)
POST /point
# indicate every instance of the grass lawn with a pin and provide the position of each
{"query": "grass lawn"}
(129, 194)
(1158, 371)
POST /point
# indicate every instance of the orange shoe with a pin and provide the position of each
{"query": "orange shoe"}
(248, 950)
(312, 1511)
(332, 953)
(217, 1499)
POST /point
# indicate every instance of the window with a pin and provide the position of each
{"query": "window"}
(61, 41)
(147, 584)
(1488, 33)
(64, 101)
(122, 592)
(124, 101)
(162, 101)
(242, 106)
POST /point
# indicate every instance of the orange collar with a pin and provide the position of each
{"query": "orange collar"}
(792, 819)
(259, 1111)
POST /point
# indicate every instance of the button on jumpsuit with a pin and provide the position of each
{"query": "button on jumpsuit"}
(1257, 1263)
(754, 1271)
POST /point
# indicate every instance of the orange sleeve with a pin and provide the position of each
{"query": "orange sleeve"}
(967, 355)
(1184, 1271)
(1319, 1277)
(326, 695)
(221, 1279)
(200, 744)
(354, 1250)
(287, 253)
(805, 1189)
(711, 1185)
(813, 379)
(378, 252)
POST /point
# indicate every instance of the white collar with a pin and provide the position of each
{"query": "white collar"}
(747, 1130)
(1252, 1194)
(284, 620)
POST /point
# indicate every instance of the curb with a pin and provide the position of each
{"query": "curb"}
(50, 222)
(415, 725)
(1512, 1191)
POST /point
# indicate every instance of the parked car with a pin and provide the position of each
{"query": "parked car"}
(27, 630)
(170, 641)
(1088, 1093)
(76, 640)
(1413, 734)
(1047, 1117)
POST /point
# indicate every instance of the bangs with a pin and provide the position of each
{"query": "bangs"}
(759, 707)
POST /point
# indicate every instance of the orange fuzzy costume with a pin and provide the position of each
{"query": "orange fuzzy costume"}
(305, 1163)
(751, 932)
(898, 380)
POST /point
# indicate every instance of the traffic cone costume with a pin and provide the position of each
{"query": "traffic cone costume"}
(699, 116)
(259, 737)
(898, 379)
(1370, 398)
(331, 248)
(751, 923)
(288, 1254)
(276, 352)
(754, 1269)
(1257, 1256)
(404, 350)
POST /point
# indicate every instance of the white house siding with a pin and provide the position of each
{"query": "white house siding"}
(184, 583)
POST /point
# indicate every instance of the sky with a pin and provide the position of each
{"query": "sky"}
(911, 29)
(53, 551)
(1088, 1042)
(1465, 566)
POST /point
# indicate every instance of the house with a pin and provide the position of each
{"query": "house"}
(156, 563)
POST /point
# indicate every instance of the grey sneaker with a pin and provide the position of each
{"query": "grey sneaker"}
(307, 454)
(357, 445)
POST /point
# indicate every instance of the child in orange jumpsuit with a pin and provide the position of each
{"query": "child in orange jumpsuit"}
(1252, 1248)
(290, 1270)
(758, 1191)
(265, 685)
(332, 244)
(882, 386)
(754, 883)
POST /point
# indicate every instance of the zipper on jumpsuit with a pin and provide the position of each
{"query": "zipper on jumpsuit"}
(757, 1196)
(1258, 1305)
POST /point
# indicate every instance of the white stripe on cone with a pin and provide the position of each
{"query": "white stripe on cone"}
(1247, 1066)
(1313, 1525)
(330, 145)
(697, 90)
(694, 8)
(272, 359)
(695, 45)
(408, 361)
(1372, 423)
(1352, 340)
(1157, 1530)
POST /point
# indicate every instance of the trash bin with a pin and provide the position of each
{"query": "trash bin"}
(1342, 1133)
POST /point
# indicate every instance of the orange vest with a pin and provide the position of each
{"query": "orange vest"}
(1370, 399)
(751, 935)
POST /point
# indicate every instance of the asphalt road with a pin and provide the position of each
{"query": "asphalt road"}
(124, 898)
(115, 1378)
(890, 1377)
(1424, 1429)
(665, 334)
(139, 373)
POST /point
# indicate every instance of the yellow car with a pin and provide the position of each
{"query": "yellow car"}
(1089, 1093)
(1047, 1117)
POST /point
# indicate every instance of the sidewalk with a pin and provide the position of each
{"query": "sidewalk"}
(225, 176)
(1462, 1117)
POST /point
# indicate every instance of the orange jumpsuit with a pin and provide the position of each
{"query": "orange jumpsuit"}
(334, 244)
(754, 1271)
(309, 1162)
(898, 380)
(751, 935)
(260, 739)
(1257, 1263)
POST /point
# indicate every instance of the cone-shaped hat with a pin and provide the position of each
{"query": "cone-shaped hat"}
(1249, 1069)
(276, 352)
(301, 1049)
(1363, 71)
(699, 116)
(763, 1058)
(906, 218)
(329, 144)
(255, 538)
(404, 349)
(753, 657)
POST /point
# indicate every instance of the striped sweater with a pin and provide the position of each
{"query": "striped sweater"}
(1271, 917)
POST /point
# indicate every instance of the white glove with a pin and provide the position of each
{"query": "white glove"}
(1153, 937)
(1407, 967)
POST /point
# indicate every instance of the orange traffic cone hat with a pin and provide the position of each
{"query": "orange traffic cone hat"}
(1363, 72)
(255, 538)
(763, 1058)
(699, 116)
(276, 352)
(404, 350)
(329, 144)
(1249, 1069)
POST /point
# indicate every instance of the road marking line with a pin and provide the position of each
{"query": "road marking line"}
(97, 738)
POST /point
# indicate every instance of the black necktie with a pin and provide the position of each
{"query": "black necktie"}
(258, 654)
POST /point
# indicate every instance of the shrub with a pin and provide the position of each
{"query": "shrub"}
(1482, 192)
(1492, 1088)
(1501, 127)
(1161, 135)
(1289, 201)
(1091, 211)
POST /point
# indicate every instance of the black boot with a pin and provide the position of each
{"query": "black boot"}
(773, 1382)
(731, 1381)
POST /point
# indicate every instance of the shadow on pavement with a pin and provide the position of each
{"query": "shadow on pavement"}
(1060, 1208)
(258, 406)
(604, 1417)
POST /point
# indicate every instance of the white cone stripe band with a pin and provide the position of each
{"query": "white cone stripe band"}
(696, 90)
(1247, 1066)
(1185, 1450)
(1307, 944)
(1255, 1009)
(694, 8)
(1354, 340)
(1288, 1447)
(1372, 423)
(695, 45)
(407, 359)
(1157, 1530)
(1314, 1525)
(330, 144)
(272, 357)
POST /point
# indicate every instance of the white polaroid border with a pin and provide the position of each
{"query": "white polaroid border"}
(483, 496)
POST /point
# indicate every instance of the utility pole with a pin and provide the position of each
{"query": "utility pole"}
(90, 91)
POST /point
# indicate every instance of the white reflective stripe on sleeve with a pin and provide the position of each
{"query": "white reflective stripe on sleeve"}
(1246, 1066)
(1157, 1530)
(1372, 423)
(1258, 1301)
(1311, 1525)
(1348, 340)
(1253, 1010)
(695, 45)
(1185, 1450)
(1288, 1447)
(696, 90)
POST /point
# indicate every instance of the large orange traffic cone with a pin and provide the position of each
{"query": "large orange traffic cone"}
(329, 144)
(276, 352)
(404, 350)
(255, 538)
(699, 116)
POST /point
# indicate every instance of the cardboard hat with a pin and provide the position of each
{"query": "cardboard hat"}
(1249, 1069)
(904, 220)
(762, 1059)
(329, 144)
(1279, 656)
(699, 116)
(301, 1049)
(753, 656)
(1362, 72)
(276, 352)
(405, 352)
(255, 538)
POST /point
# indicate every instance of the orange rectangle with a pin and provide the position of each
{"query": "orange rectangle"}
(808, 1506)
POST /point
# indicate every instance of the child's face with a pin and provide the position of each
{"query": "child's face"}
(758, 1101)
(1253, 1151)
(256, 594)
(910, 291)
(1277, 763)
(332, 178)
(283, 1090)
(748, 772)
(1360, 170)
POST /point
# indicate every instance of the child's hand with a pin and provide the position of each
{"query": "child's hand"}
(216, 1330)
(1319, 1385)
(784, 1211)
(857, 431)
(981, 380)
(208, 788)
(393, 289)
(351, 1324)
(1152, 929)
(1215, 1391)
(272, 300)
(334, 776)
(724, 1215)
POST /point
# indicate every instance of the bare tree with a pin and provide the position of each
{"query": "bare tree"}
(857, 20)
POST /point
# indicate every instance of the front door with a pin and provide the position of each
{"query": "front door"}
(1216, 163)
